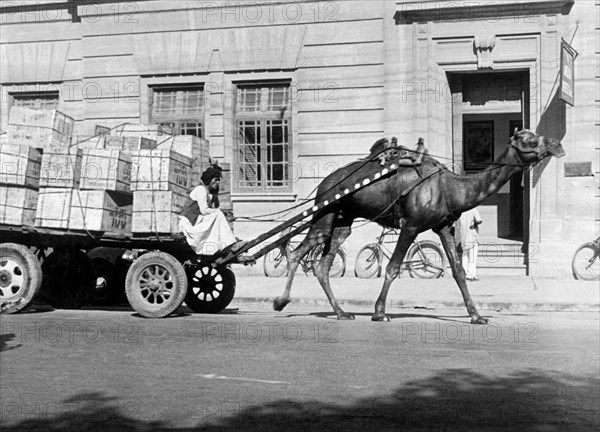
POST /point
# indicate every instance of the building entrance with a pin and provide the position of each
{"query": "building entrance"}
(487, 107)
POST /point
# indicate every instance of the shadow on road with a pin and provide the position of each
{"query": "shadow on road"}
(456, 399)
(4, 339)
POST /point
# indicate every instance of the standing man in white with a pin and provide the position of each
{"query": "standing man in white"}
(466, 235)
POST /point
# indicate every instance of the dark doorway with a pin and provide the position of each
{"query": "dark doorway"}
(487, 107)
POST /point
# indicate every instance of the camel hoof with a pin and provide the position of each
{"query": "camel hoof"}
(480, 320)
(345, 316)
(380, 318)
(279, 303)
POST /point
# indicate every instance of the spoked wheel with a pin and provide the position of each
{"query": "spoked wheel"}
(211, 289)
(368, 262)
(338, 266)
(156, 285)
(20, 277)
(586, 262)
(275, 263)
(69, 279)
(426, 260)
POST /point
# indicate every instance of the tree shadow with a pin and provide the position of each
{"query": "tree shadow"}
(452, 399)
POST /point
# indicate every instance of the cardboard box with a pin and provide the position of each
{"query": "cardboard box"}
(53, 208)
(157, 211)
(79, 210)
(105, 170)
(20, 165)
(128, 143)
(97, 210)
(161, 170)
(61, 169)
(46, 129)
(18, 205)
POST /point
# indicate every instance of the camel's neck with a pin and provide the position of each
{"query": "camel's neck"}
(469, 191)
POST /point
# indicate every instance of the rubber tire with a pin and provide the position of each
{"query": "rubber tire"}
(582, 276)
(205, 279)
(340, 255)
(175, 277)
(69, 279)
(106, 271)
(30, 271)
(440, 260)
(371, 270)
(275, 263)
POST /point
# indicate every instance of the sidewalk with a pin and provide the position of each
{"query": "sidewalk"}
(515, 293)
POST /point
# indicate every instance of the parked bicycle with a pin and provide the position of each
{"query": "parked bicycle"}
(275, 263)
(424, 260)
(586, 261)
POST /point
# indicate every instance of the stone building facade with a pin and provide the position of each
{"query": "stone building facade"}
(289, 91)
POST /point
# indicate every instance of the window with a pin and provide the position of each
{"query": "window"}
(36, 100)
(263, 138)
(181, 109)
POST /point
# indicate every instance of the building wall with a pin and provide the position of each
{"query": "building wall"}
(358, 72)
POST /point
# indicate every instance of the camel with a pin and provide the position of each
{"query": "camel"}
(415, 199)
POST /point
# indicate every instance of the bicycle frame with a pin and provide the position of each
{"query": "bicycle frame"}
(384, 251)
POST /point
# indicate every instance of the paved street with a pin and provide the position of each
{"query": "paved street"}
(254, 369)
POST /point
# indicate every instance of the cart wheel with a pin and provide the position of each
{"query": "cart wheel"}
(156, 285)
(69, 279)
(211, 289)
(20, 277)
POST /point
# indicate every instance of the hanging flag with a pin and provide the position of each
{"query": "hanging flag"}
(566, 90)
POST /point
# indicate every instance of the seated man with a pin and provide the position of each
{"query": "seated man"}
(201, 221)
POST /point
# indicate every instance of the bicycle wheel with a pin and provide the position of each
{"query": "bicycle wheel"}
(426, 260)
(338, 266)
(275, 263)
(368, 262)
(586, 262)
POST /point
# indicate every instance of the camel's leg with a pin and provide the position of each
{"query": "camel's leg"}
(458, 272)
(407, 236)
(317, 234)
(340, 234)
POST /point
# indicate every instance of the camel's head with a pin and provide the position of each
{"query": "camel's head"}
(532, 147)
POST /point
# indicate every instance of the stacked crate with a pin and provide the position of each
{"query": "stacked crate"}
(161, 180)
(45, 129)
(86, 190)
(19, 183)
(194, 148)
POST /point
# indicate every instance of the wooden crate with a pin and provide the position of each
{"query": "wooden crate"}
(154, 132)
(53, 208)
(128, 143)
(105, 170)
(98, 210)
(61, 169)
(157, 211)
(17, 205)
(161, 170)
(197, 149)
(46, 129)
(89, 142)
(20, 165)
(81, 210)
